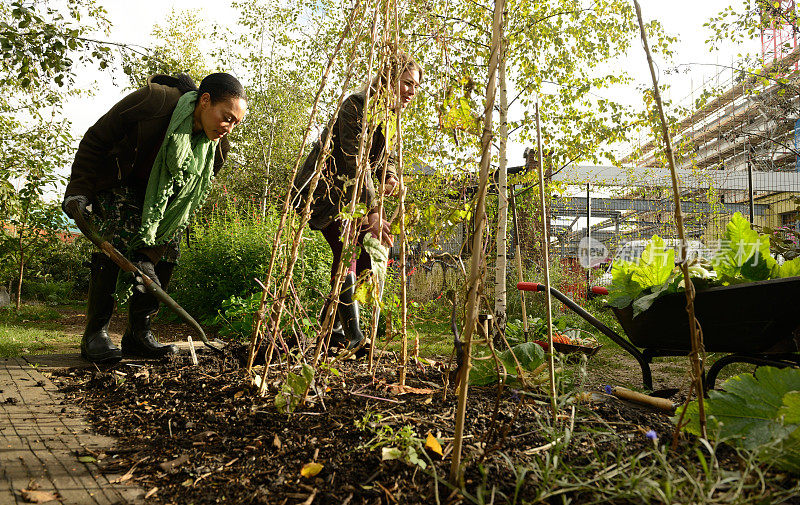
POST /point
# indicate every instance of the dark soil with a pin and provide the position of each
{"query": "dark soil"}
(201, 434)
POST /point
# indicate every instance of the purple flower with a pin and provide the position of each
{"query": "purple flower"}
(515, 395)
(652, 435)
(608, 389)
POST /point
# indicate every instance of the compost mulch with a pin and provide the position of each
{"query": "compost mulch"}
(201, 434)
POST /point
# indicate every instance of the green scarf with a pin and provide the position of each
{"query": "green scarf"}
(178, 185)
(180, 179)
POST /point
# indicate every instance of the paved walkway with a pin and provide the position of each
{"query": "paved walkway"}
(41, 439)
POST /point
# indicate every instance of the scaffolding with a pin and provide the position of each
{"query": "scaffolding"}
(736, 151)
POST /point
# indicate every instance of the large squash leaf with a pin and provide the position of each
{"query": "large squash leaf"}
(656, 264)
(623, 289)
(789, 268)
(744, 253)
(529, 355)
(643, 282)
(758, 412)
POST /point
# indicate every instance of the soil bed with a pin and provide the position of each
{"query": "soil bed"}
(200, 434)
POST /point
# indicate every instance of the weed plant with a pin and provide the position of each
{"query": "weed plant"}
(593, 461)
(699, 472)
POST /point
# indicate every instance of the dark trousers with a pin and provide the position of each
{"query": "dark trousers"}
(359, 261)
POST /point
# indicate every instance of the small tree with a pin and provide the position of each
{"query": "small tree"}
(39, 43)
(33, 146)
(34, 225)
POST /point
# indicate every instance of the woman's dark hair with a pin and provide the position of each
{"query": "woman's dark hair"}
(221, 86)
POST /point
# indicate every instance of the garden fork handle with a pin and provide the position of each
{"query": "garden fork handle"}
(150, 285)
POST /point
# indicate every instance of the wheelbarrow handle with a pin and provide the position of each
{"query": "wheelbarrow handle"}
(580, 311)
(537, 286)
(530, 286)
(150, 285)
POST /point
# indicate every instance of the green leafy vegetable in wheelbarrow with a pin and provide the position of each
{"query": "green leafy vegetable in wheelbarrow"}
(743, 256)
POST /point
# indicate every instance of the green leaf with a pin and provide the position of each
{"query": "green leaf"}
(388, 453)
(643, 303)
(293, 389)
(791, 407)
(758, 412)
(744, 254)
(529, 355)
(656, 264)
(379, 256)
(623, 289)
(790, 268)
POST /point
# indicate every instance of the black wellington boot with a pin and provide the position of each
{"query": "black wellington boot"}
(96, 346)
(138, 340)
(338, 338)
(349, 312)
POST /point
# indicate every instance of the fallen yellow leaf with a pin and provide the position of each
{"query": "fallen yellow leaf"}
(433, 444)
(310, 469)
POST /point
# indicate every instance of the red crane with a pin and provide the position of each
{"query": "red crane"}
(778, 32)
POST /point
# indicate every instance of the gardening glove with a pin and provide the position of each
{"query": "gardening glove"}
(76, 204)
(379, 232)
(146, 266)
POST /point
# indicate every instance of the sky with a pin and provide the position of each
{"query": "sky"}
(133, 21)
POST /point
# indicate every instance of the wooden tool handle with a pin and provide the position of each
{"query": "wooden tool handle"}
(652, 401)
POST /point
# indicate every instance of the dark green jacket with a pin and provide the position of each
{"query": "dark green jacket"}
(340, 167)
(125, 140)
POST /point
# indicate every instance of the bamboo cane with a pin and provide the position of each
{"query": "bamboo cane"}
(351, 228)
(546, 258)
(518, 260)
(476, 262)
(291, 258)
(259, 319)
(698, 350)
(402, 206)
(376, 313)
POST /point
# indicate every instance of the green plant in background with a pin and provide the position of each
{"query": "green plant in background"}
(537, 327)
(51, 292)
(235, 317)
(57, 273)
(757, 412)
(230, 248)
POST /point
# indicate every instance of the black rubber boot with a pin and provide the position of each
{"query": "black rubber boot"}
(96, 346)
(138, 340)
(349, 312)
(337, 332)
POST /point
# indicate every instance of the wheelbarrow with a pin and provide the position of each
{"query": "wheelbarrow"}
(750, 323)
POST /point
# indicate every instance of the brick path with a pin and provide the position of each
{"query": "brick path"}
(41, 438)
